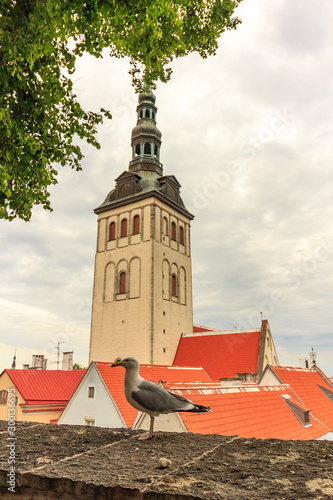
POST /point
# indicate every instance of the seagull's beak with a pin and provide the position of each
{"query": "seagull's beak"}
(117, 362)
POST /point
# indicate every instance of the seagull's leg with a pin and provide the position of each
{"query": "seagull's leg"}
(151, 427)
(148, 435)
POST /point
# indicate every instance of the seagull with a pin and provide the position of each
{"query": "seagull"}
(151, 398)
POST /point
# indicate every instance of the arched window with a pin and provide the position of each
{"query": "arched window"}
(141, 114)
(165, 226)
(173, 231)
(181, 235)
(136, 224)
(112, 231)
(174, 285)
(153, 115)
(147, 148)
(122, 282)
(147, 115)
(123, 228)
(137, 149)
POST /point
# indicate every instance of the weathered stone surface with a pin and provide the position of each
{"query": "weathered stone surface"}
(76, 462)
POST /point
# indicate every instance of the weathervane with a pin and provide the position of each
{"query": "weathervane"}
(313, 356)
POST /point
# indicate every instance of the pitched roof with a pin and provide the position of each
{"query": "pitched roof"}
(45, 386)
(222, 353)
(259, 412)
(199, 328)
(113, 379)
(306, 382)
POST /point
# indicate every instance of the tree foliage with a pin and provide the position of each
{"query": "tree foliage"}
(40, 116)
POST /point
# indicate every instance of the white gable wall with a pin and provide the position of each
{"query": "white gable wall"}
(101, 407)
(170, 422)
(269, 378)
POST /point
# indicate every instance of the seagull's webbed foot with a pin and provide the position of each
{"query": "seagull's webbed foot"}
(145, 436)
(148, 435)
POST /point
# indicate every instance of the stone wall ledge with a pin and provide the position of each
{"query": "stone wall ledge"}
(77, 462)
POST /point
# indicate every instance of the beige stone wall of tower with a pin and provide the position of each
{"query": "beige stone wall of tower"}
(142, 298)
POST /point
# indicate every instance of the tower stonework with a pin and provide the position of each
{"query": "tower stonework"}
(142, 298)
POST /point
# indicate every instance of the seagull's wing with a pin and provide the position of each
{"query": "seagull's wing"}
(157, 398)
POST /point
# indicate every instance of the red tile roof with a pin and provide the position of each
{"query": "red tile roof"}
(305, 382)
(199, 329)
(45, 386)
(259, 412)
(220, 353)
(113, 379)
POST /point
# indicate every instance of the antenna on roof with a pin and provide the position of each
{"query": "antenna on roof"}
(58, 349)
(14, 361)
(261, 318)
(313, 356)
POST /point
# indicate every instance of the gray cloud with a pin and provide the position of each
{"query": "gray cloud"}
(248, 135)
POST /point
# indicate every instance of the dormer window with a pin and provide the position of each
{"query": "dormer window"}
(302, 413)
(327, 392)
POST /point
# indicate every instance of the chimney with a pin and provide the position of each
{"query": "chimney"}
(67, 361)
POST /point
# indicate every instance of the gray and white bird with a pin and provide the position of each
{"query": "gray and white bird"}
(151, 398)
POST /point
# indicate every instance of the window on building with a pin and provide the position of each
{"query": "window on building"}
(136, 224)
(141, 114)
(302, 414)
(90, 421)
(124, 228)
(181, 235)
(3, 397)
(112, 231)
(122, 282)
(137, 149)
(147, 148)
(173, 231)
(153, 114)
(91, 392)
(165, 226)
(174, 285)
(147, 114)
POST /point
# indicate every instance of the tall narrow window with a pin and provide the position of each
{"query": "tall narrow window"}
(173, 231)
(112, 231)
(124, 228)
(147, 148)
(165, 226)
(137, 149)
(173, 285)
(122, 282)
(147, 114)
(181, 235)
(91, 392)
(136, 224)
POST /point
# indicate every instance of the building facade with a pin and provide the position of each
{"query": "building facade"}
(142, 298)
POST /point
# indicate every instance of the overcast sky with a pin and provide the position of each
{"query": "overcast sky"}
(248, 134)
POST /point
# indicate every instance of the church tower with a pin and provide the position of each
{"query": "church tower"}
(142, 298)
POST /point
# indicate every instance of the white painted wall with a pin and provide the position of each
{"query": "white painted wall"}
(171, 422)
(101, 407)
(269, 378)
